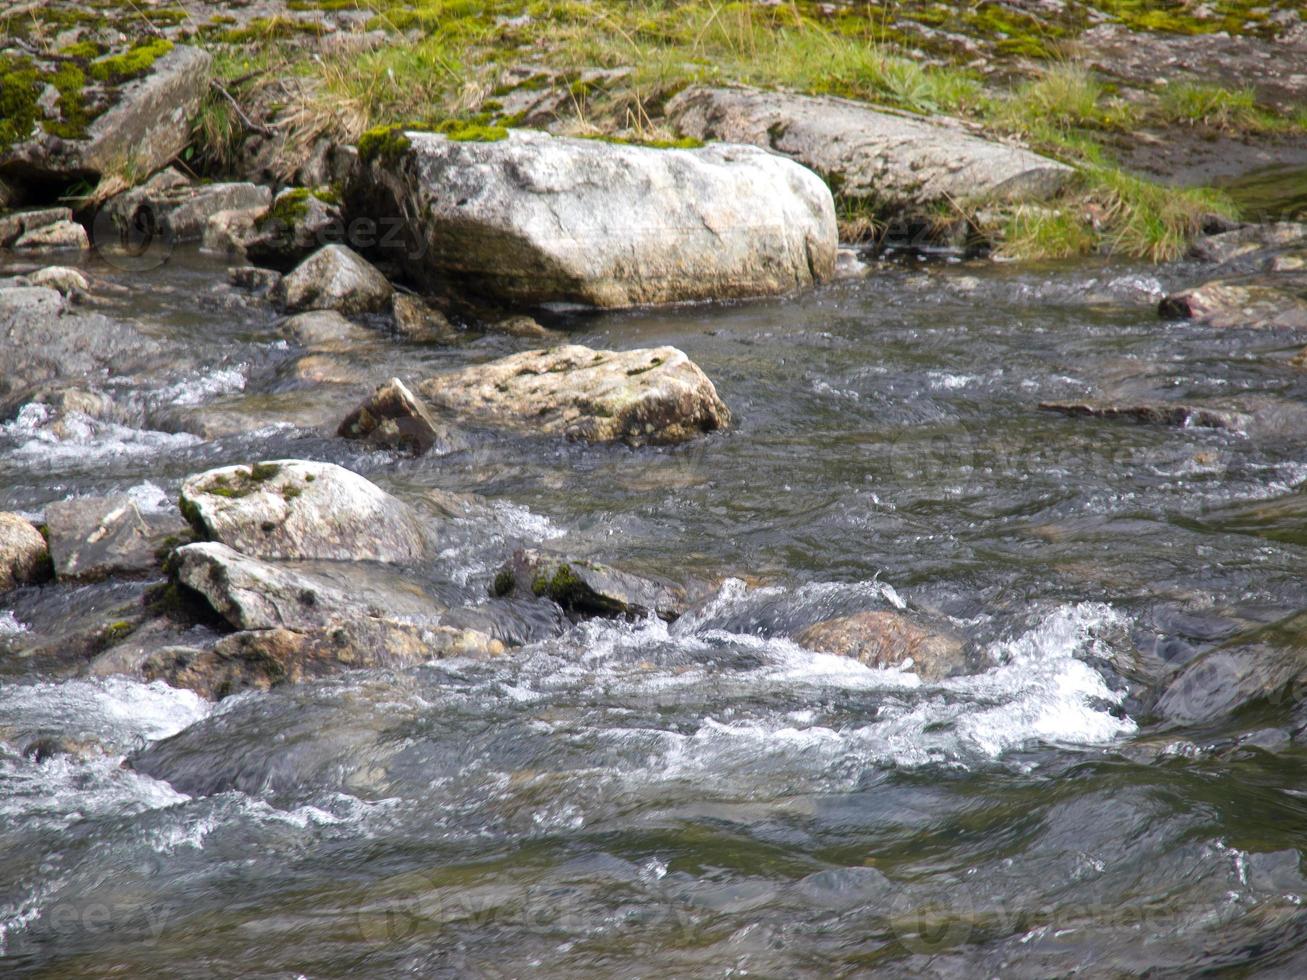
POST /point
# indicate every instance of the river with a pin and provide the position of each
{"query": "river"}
(707, 798)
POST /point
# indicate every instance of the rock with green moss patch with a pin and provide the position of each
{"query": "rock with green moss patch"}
(297, 509)
(903, 163)
(641, 397)
(334, 278)
(24, 556)
(299, 222)
(586, 588)
(531, 218)
(93, 538)
(151, 98)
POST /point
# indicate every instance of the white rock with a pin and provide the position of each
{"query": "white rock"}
(535, 219)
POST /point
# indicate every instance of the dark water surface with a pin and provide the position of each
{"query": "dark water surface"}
(708, 798)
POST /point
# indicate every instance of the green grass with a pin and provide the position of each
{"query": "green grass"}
(446, 63)
(1229, 110)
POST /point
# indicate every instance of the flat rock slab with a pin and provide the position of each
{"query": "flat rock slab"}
(641, 397)
(92, 538)
(1277, 70)
(901, 161)
(296, 509)
(1271, 302)
(534, 219)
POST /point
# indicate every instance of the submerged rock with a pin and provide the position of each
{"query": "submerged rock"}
(263, 659)
(393, 418)
(295, 509)
(649, 396)
(415, 320)
(94, 537)
(586, 588)
(884, 638)
(334, 278)
(325, 330)
(900, 161)
(532, 219)
(1156, 413)
(1272, 302)
(24, 557)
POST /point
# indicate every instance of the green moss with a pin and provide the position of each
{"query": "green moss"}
(20, 87)
(504, 583)
(85, 50)
(116, 632)
(470, 131)
(382, 143)
(191, 514)
(561, 585)
(70, 81)
(262, 472)
(684, 143)
(132, 63)
(290, 492)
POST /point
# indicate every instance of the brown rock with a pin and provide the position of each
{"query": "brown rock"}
(887, 639)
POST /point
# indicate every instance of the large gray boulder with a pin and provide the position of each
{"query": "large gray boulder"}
(147, 124)
(900, 161)
(23, 555)
(295, 509)
(533, 219)
(641, 397)
(293, 625)
(334, 278)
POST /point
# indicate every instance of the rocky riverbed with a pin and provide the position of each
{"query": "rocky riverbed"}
(500, 551)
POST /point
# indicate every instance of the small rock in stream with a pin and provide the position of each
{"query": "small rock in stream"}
(586, 588)
(334, 278)
(24, 556)
(887, 639)
(92, 538)
(394, 418)
(1156, 413)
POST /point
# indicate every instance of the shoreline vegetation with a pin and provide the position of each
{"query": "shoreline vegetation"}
(350, 70)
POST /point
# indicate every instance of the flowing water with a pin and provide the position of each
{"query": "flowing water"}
(707, 798)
